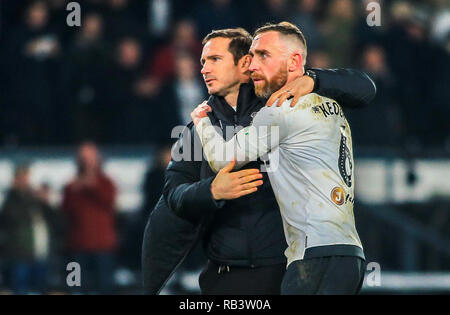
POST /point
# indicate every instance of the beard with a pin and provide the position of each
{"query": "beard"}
(266, 89)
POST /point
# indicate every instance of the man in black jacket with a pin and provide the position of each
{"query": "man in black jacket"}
(241, 230)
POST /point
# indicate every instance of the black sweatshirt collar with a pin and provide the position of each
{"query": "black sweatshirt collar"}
(247, 103)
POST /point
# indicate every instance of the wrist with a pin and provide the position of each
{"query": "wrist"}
(214, 194)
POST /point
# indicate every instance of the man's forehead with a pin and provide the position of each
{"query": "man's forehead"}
(266, 41)
(216, 45)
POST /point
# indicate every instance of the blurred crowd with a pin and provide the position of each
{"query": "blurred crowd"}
(131, 71)
(39, 238)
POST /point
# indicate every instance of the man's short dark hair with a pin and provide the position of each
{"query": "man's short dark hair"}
(240, 43)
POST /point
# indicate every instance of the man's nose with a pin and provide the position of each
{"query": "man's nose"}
(253, 65)
(205, 69)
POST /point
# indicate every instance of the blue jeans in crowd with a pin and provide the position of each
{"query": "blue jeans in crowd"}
(26, 277)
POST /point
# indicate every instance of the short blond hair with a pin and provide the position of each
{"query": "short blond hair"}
(286, 29)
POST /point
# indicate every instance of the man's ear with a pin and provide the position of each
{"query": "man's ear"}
(244, 63)
(295, 62)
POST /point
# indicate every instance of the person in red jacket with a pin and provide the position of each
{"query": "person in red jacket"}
(89, 206)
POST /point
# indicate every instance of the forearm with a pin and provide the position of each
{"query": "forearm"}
(349, 87)
(185, 192)
(190, 200)
(247, 145)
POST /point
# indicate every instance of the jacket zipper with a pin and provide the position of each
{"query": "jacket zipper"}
(250, 251)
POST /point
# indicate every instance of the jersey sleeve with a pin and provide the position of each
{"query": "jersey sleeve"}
(264, 134)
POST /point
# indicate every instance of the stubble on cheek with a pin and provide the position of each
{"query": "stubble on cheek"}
(268, 87)
(278, 81)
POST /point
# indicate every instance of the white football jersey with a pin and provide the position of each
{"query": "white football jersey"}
(311, 170)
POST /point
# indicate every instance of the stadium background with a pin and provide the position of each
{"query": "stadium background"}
(116, 79)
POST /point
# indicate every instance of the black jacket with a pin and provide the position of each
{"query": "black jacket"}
(168, 239)
(246, 231)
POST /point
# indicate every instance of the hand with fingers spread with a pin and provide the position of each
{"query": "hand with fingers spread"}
(294, 89)
(199, 112)
(231, 185)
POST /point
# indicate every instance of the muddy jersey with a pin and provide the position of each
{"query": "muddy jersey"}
(311, 170)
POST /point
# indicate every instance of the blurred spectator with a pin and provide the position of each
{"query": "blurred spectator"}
(439, 91)
(95, 5)
(127, 103)
(30, 69)
(441, 27)
(407, 47)
(38, 44)
(27, 221)
(369, 35)
(186, 91)
(159, 16)
(215, 14)
(89, 206)
(255, 13)
(85, 82)
(319, 59)
(184, 39)
(304, 18)
(63, 84)
(338, 30)
(120, 21)
(58, 18)
(383, 110)
(276, 10)
(135, 101)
